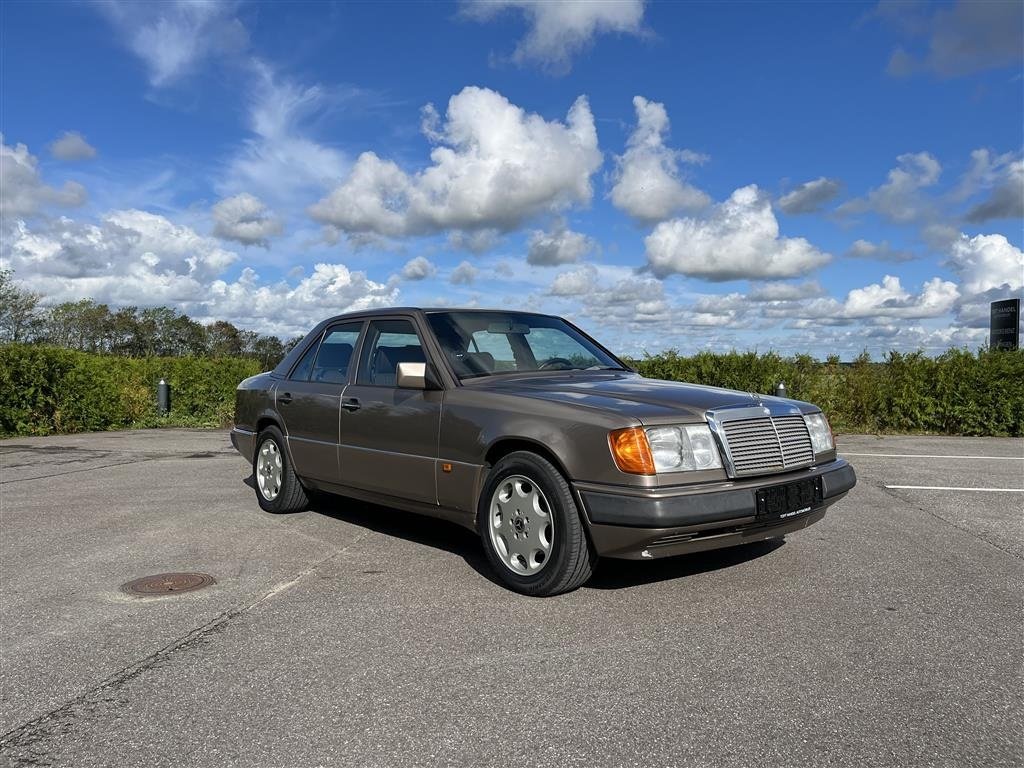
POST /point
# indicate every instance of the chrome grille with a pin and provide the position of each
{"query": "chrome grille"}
(768, 444)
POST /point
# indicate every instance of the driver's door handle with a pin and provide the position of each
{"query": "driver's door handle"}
(285, 398)
(350, 403)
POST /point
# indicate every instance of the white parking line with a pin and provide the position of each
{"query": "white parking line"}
(953, 488)
(931, 456)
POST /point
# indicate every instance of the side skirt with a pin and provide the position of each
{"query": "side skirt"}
(465, 519)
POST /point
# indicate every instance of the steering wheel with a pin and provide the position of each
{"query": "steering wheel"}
(552, 361)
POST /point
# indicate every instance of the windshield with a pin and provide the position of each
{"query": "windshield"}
(493, 343)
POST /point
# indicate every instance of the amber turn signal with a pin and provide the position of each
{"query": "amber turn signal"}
(631, 451)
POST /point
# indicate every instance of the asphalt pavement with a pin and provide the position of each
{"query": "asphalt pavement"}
(889, 634)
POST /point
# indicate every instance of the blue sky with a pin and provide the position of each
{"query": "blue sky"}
(800, 177)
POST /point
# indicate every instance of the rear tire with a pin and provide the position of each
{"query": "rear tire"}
(531, 528)
(278, 490)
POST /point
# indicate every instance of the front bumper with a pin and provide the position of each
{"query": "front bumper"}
(244, 442)
(642, 524)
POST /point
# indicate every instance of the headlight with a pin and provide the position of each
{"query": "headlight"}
(821, 434)
(683, 448)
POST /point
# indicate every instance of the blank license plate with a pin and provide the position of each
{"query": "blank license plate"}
(790, 499)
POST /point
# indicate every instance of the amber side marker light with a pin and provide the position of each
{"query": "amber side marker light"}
(631, 451)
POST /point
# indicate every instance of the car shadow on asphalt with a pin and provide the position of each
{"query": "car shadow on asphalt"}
(622, 574)
(419, 529)
(450, 537)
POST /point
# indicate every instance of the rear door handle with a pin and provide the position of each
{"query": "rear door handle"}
(350, 403)
(285, 398)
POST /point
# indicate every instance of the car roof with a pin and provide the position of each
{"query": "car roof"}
(425, 310)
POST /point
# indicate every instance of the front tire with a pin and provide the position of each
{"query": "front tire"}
(278, 490)
(531, 527)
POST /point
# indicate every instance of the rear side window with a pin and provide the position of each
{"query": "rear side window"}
(335, 356)
(388, 343)
(304, 367)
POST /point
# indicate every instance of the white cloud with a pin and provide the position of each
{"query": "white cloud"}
(479, 241)
(810, 196)
(72, 146)
(576, 282)
(786, 291)
(865, 249)
(122, 240)
(464, 274)
(629, 302)
(987, 262)
(739, 240)
(281, 162)
(137, 258)
(418, 268)
(899, 199)
(559, 246)
(285, 309)
(497, 165)
(246, 220)
(889, 299)
(873, 303)
(173, 37)
(22, 190)
(637, 304)
(648, 185)
(561, 30)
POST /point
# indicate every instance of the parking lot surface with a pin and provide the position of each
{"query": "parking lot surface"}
(889, 634)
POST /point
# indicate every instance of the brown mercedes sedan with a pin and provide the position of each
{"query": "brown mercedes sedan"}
(523, 428)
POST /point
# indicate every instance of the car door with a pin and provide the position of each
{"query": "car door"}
(388, 433)
(309, 401)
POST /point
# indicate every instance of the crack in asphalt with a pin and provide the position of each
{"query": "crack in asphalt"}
(951, 523)
(23, 743)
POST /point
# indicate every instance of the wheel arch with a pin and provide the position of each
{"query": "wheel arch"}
(271, 419)
(503, 446)
(267, 420)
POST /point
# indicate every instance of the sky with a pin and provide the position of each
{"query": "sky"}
(822, 178)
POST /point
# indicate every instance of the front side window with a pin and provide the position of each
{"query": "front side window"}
(304, 367)
(493, 343)
(335, 355)
(388, 343)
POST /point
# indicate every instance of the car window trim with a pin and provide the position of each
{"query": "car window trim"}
(298, 361)
(355, 347)
(458, 380)
(364, 337)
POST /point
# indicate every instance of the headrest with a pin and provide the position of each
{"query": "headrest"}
(479, 362)
(388, 358)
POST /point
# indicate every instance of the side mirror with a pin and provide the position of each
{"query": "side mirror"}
(416, 376)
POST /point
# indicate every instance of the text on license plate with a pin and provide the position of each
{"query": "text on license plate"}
(790, 499)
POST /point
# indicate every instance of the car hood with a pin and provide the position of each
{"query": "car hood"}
(648, 400)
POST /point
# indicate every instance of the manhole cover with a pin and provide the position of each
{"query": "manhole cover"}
(167, 584)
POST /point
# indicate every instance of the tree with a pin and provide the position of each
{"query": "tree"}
(223, 339)
(19, 317)
(268, 350)
(83, 325)
(89, 326)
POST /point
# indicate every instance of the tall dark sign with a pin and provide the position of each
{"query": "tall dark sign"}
(1004, 324)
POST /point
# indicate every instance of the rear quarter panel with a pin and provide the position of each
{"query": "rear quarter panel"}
(254, 401)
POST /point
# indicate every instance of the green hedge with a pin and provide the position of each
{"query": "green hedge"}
(44, 390)
(47, 389)
(957, 393)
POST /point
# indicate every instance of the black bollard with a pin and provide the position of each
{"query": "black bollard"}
(780, 389)
(163, 397)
